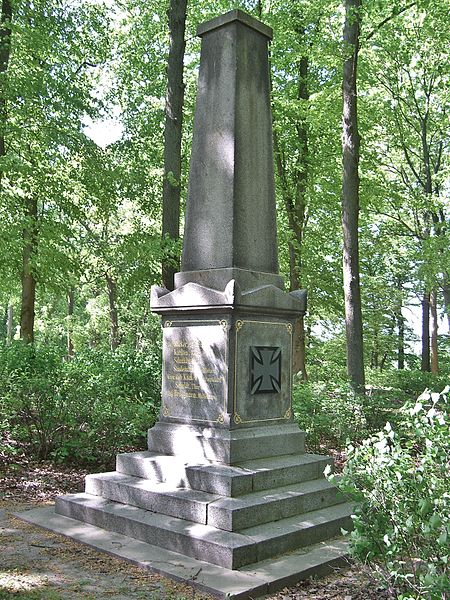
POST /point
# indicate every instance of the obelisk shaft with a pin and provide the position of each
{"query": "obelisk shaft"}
(230, 214)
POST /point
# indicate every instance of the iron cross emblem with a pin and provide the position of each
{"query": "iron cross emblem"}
(265, 369)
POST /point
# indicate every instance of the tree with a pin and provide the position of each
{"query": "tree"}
(350, 198)
(411, 75)
(50, 69)
(294, 186)
(5, 52)
(173, 135)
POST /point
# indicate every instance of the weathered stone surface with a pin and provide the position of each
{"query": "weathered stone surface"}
(175, 470)
(163, 498)
(192, 539)
(230, 213)
(154, 466)
(299, 531)
(223, 480)
(234, 514)
(285, 470)
(291, 568)
(218, 279)
(273, 340)
(230, 17)
(195, 370)
(254, 475)
(251, 581)
(264, 298)
(214, 371)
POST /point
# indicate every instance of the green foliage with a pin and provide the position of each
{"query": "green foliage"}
(399, 477)
(329, 414)
(82, 409)
(405, 384)
(99, 209)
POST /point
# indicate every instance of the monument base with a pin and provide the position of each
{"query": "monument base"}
(250, 527)
(252, 581)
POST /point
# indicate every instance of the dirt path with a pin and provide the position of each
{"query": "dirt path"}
(39, 565)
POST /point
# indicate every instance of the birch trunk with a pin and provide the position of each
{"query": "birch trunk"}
(425, 360)
(70, 309)
(113, 314)
(9, 324)
(28, 298)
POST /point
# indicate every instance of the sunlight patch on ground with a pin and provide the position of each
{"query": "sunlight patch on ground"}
(20, 582)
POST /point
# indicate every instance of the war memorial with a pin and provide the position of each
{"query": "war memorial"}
(225, 497)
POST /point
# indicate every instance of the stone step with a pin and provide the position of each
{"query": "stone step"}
(285, 470)
(289, 534)
(234, 514)
(203, 542)
(256, 475)
(231, 514)
(207, 477)
(250, 581)
(163, 498)
(288, 569)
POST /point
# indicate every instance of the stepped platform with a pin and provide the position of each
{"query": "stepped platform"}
(258, 524)
(236, 531)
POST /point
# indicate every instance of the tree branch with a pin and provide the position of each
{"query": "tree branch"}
(394, 13)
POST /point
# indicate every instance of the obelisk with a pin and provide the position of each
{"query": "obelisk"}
(228, 324)
(230, 212)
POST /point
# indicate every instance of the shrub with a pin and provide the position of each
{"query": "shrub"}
(400, 480)
(329, 415)
(83, 409)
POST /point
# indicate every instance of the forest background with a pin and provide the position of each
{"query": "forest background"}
(85, 229)
(361, 105)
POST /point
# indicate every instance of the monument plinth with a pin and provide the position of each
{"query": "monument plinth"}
(225, 497)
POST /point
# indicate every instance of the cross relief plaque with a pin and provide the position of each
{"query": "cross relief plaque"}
(265, 369)
(262, 381)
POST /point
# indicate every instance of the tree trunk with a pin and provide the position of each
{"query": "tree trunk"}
(9, 324)
(5, 45)
(350, 200)
(374, 356)
(425, 362)
(301, 175)
(434, 333)
(172, 135)
(386, 352)
(299, 347)
(400, 341)
(28, 279)
(70, 309)
(113, 315)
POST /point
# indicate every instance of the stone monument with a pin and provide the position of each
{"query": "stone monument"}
(225, 490)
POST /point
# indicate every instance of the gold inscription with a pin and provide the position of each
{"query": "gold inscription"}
(187, 378)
